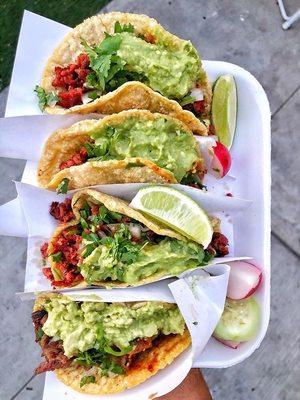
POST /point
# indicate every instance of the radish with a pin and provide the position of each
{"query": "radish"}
(221, 161)
(228, 343)
(244, 279)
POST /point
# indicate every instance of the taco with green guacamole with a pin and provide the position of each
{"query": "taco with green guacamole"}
(104, 348)
(118, 61)
(102, 241)
(130, 147)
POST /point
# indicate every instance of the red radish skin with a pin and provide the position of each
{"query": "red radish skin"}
(228, 343)
(221, 161)
(244, 279)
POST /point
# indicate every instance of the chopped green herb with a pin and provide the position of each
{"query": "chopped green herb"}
(125, 28)
(108, 69)
(39, 334)
(83, 223)
(45, 99)
(208, 256)
(115, 215)
(188, 99)
(87, 379)
(88, 250)
(118, 353)
(133, 165)
(122, 248)
(57, 256)
(101, 359)
(91, 237)
(63, 186)
(93, 95)
(192, 178)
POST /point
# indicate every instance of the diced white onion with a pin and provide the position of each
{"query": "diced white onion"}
(197, 94)
(135, 230)
(85, 98)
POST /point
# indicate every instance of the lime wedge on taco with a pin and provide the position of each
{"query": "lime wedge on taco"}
(224, 109)
(176, 210)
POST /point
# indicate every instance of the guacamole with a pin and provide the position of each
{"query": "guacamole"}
(169, 257)
(78, 324)
(161, 141)
(171, 72)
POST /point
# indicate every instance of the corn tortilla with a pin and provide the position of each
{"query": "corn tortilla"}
(130, 95)
(63, 143)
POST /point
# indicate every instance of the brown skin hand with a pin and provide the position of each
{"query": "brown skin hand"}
(193, 387)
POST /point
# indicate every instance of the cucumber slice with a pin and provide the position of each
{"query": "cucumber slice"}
(239, 321)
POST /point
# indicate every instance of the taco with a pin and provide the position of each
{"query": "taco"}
(110, 60)
(105, 348)
(132, 146)
(102, 241)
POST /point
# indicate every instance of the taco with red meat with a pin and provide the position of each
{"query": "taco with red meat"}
(102, 241)
(119, 61)
(130, 147)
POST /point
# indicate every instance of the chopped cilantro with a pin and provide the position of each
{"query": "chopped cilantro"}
(57, 256)
(99, 358)
(188, 99)
(91, 237)
(63, 186)
(39, 334)
(87, 379)
(93, 95)
(194, 179)
(83, 223)
(45, 99)
(108, 69)
(108, 216)
(104, 62)
(125, 28)
(88, 250)
(118, 353)
(122, 248)
(133, 165)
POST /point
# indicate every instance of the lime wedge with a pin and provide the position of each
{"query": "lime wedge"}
(224, 109)
(175, 210)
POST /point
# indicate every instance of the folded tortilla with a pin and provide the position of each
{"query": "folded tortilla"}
(132, 94)
(64, 143)
(116, 205)
(147, 364)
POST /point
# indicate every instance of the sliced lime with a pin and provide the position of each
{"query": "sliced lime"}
(239, 321)
(224, 109)
(175, 210)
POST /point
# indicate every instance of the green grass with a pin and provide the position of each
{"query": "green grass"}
(68, 12)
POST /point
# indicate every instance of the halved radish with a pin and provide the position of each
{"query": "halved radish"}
(228, 343)
(221, 161)
(244, 279)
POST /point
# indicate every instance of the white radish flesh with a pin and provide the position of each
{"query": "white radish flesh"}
(244, 279)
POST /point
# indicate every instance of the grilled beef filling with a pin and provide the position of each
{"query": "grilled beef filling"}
(53, 351)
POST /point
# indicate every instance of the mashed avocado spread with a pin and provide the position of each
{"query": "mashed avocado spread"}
(168, 257)
(78, 324)
(171, 72)
(161, 141)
